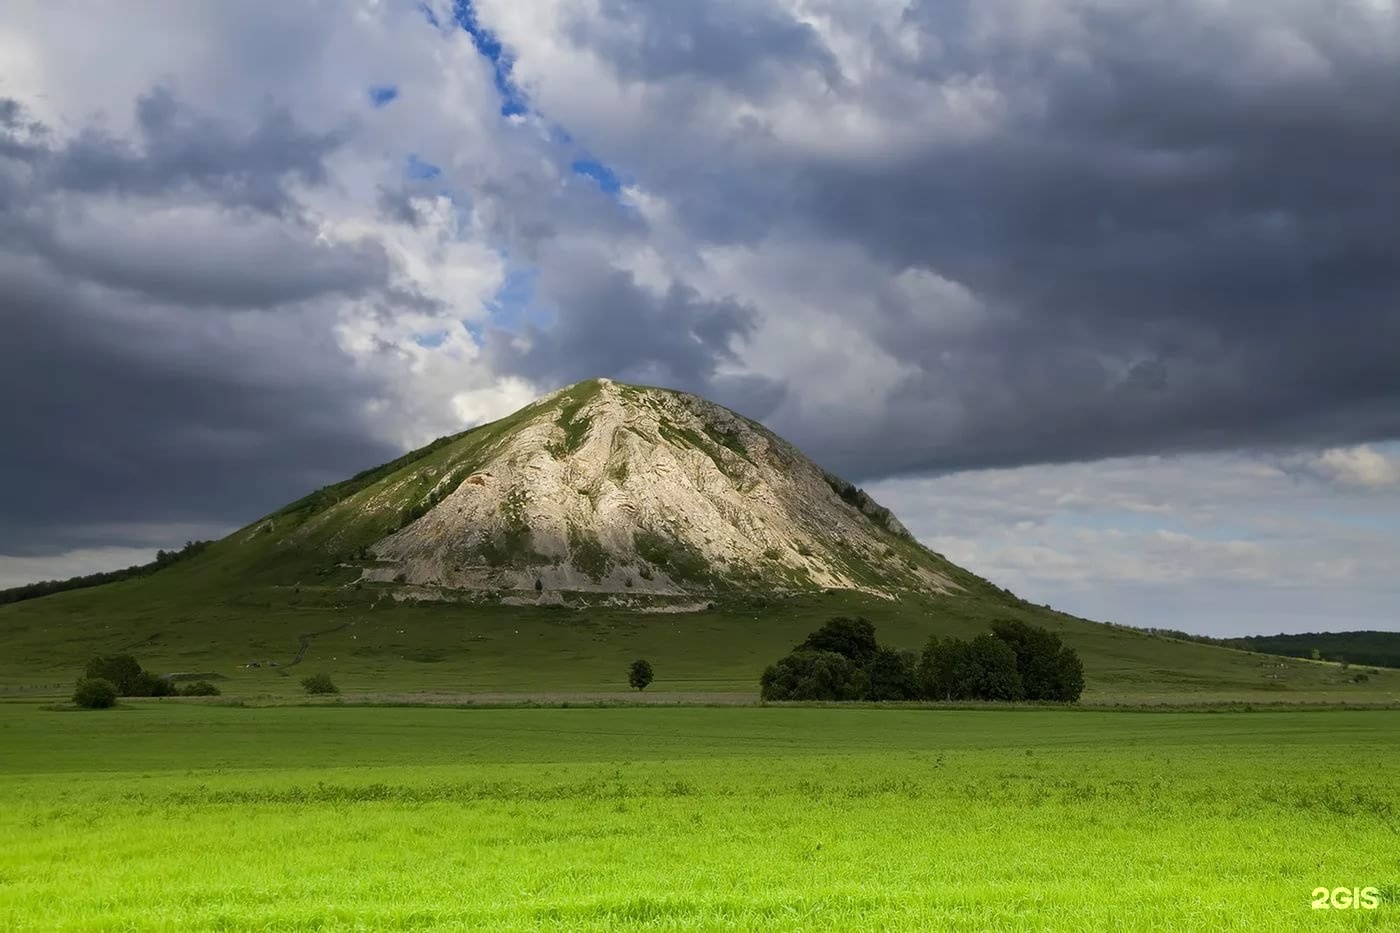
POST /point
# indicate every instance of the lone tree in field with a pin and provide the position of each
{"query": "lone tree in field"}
(319, 684)
(639, 675)
(95, 693)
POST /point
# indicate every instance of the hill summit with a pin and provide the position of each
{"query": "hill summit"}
(605, 487)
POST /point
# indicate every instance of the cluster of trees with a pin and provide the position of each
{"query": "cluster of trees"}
(48, 587)
(842, 660)
(120, 675)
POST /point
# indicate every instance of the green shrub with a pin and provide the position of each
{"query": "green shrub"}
(682, 562)
(95, 693)
(123, 672)
(148, 684)
(588, 555)
(319, 684)
(200, 688)
(120, 670)
(639, 675)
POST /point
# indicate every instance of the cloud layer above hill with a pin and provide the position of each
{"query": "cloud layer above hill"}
(246, 249)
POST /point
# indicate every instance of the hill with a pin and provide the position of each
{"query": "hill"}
(544, 551)
(603, 488)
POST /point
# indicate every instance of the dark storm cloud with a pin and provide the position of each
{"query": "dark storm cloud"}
(117, 418)
(1168, 227)
(210, 264)
(125, 402)
(1183, 258)
(177, 147)
(1178, 222)
(615, 327)
(739, 45)
(202, 238)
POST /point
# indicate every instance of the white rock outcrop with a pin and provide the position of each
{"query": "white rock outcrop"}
(616, 488)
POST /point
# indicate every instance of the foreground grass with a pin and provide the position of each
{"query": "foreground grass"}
(166, 815)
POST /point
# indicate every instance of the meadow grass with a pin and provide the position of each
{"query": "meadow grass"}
(169, 814)
(174, 622)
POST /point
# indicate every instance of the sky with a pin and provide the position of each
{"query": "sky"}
(1102, 297)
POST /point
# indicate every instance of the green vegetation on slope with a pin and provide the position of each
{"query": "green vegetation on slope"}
(369, 641)
(163, 559)
(683, 564)
(574, 426)
(324, 537)
(587, 554)
(176, 815)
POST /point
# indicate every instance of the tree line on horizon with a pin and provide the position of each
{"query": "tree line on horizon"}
(1376, 649)
(163, 559)
(843, 661)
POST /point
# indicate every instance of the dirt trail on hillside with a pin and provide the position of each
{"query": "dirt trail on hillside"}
(304, 643)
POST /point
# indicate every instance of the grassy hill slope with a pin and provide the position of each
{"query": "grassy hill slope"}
(309, 589)
(183, 620)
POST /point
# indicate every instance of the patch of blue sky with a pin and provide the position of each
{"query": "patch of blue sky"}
(605, 177)
(513, 307)
(418, 169)
(431, 340)
(381, 95)
(513, 100)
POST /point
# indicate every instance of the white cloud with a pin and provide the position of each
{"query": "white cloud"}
(1360, 466)
(1225, 544)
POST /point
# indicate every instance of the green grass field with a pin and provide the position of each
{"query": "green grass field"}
(182, 815)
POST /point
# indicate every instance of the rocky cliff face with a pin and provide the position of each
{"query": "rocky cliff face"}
(616, 488)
